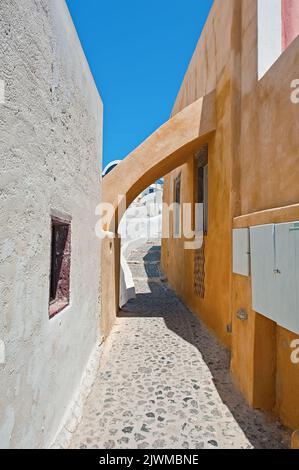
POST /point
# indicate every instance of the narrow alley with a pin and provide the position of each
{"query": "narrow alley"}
(164, 380)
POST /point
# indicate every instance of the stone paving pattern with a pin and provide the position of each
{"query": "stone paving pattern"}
(164, 381)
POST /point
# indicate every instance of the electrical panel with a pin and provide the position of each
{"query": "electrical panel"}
(275, 273)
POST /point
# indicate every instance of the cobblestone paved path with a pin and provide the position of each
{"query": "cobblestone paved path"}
(164, 381)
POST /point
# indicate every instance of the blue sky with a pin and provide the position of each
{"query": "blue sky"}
(138, 52)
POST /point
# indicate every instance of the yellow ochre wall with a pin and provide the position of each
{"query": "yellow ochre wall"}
(253, 159)
(215, 65)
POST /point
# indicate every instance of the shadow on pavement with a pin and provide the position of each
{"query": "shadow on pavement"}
(260, 429)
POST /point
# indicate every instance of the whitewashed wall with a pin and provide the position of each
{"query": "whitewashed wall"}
(141, 222)
(50, 151)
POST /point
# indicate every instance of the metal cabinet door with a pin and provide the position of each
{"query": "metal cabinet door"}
(262, 270)
(286, 276)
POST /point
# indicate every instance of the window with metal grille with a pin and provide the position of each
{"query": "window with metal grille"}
(201, 216)
(60, 265)
(199, 271)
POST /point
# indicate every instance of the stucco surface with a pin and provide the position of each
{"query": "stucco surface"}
(50, 146)
(269, 193)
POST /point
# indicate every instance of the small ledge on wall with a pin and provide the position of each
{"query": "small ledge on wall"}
(57, 307)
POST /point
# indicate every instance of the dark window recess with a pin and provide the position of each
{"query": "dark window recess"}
(202, 187)
(60, 266)
(177, 186)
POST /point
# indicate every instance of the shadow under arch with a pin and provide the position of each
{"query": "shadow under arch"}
(261, 429)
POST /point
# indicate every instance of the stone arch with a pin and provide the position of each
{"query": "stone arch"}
(166, 149)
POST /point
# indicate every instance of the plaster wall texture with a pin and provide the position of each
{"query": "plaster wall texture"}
(269, 193)
(50, 146)
(75, 409)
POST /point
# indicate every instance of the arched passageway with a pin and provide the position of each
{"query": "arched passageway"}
(166, 149)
